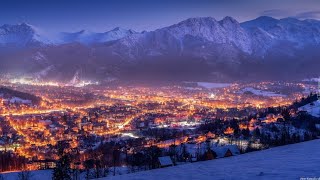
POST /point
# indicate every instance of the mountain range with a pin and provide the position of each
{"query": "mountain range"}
(196, 48)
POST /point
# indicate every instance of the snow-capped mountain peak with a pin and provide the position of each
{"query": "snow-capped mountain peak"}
(213, 43)
(119, 29)
(23, 34)
(229, 20)
(264, 22)
(253, 37)
(117, 33)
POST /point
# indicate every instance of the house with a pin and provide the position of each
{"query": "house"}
(44, 164)
(209, 155)
(165, 161)
(226, 151)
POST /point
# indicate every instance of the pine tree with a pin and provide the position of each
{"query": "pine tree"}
(24, 175)
(62, 170)
(88, 164)
(257, 133)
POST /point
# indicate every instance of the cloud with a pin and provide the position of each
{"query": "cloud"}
(275, 13)
(280, 13)
(309, 15)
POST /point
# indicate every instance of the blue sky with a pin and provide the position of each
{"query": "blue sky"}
(103, 15)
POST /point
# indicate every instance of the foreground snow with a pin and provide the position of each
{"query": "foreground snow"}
(34, 175)
(312, 108)
(286, 162)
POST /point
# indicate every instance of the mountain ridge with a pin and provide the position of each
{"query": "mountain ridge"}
(222, 48)
(263, 22)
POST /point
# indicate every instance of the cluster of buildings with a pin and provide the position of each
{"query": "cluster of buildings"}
(88, 116)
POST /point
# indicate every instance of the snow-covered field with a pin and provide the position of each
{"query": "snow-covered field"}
(261, 92)
(287, 162)
(209, 85)
(312, 80)
(34, 175)
(47, 174)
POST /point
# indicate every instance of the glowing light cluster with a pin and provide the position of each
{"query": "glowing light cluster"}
(83, 84)
(28, 81)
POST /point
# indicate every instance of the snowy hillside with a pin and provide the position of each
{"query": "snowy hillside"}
(35, 175)
(260, 92)
(293, 30)
(312, 108)
(286, 162)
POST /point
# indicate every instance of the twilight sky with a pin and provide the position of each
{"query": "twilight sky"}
(103, 15)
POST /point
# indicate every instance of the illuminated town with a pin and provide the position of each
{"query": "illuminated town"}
(35, 117)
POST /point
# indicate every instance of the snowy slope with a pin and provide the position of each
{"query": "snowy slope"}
(299, 32)
(286, 162)
(35, 175)
(312, 108)
(209, 85)
(206, 37)
(260, 92)
(200, 37)
(227, 31)
(87, 37)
